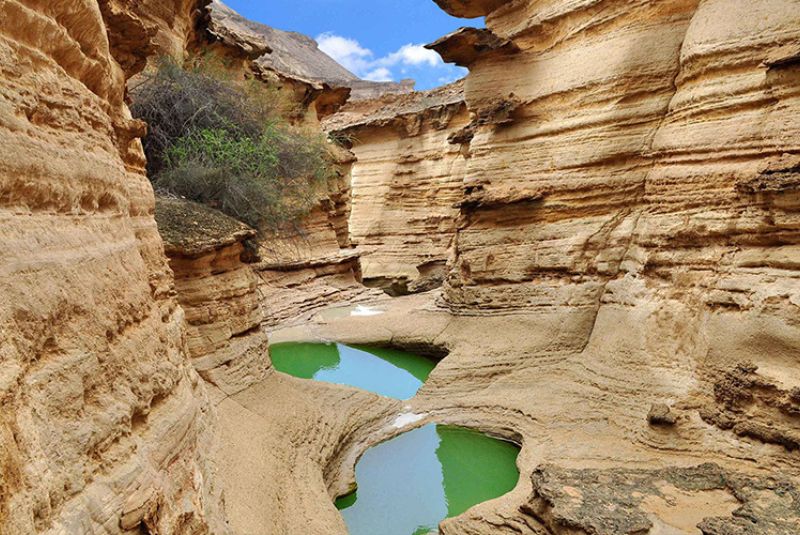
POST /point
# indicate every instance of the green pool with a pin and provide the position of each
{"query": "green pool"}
(388, 372)
(409, 484)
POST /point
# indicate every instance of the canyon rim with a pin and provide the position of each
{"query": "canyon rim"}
(596, 234)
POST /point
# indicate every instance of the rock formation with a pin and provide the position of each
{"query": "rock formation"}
(616, 199)
(309, 264)
(211, 258)
(622, 292)
(104, 425)
(406, 184)
(613, 174)
(312, 264)
(292, 55)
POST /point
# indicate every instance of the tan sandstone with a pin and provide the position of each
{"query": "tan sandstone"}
(406, 184)
(623, 252)
(104, 425)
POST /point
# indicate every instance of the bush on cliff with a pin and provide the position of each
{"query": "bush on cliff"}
(227, 144)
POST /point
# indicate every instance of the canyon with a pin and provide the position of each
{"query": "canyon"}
(596, 233)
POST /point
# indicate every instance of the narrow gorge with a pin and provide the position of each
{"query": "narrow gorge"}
(589, 246)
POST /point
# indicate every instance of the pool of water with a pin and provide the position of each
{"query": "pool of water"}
(409, 484)
(388, 372)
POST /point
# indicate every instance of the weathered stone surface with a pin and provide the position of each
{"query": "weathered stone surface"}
(311, 264)
(629, 167)
(406, 184)
(698, 499)
(754, 406)
(661, 414)
(104, 425)
(218, 290)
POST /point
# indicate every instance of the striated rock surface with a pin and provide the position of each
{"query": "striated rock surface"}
(654, 189)
(406, 184)
(626, 171)
(210, 256)
(142, 31)
(104, 425)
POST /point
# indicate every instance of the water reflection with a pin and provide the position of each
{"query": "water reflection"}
(406, 486)
(387, 372)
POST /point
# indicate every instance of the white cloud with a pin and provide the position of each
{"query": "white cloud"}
(346, 51)
(381, 74)
(362, 61)
(412, 55)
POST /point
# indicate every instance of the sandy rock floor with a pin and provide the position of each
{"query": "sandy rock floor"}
(590, 461)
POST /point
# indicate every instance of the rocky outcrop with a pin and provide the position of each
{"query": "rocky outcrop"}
(623, 168)
(104, 425)
(211, 258)
(654, 189)
(141, 32)
(406, 184)
(675, 500)
(311, 264)
(291, 55)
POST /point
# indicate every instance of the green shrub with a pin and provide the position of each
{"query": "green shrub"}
(227, 144)
(264, 181)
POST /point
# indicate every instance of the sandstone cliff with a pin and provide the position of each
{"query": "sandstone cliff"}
(658, 183)
(218, 290)
(104, 425)
(406, 184)
(621, 297)
(312, 264)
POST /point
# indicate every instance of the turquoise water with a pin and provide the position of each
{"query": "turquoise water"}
(409, 484)
(388, 372)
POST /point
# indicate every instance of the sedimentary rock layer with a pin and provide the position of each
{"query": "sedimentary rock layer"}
(406, 184)
(311, 264)
(210, 255)
(656, 187)
(635, 164)
(104, 425)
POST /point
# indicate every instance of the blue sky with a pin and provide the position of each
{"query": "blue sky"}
(376, 39)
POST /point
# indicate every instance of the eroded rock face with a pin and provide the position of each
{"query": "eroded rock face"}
(406, 184)
(312, 264)
(655, 187)
(675, 500)
(626, 166)
(218, 290)
(104, 426)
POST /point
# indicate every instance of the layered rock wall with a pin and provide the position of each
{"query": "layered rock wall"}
(312, 264)
(210, 255)
(641, 164)
(104, 425)
(638, 162)
(406, 184)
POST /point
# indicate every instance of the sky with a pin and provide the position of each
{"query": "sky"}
(378, 40)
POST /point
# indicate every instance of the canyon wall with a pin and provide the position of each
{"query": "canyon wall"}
(310, 263)
(406, 184)
(671, 155)
(104, 425)
(639, 162)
